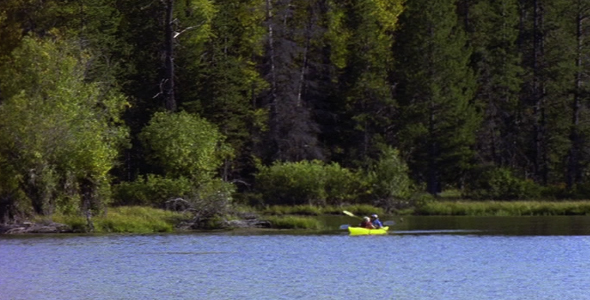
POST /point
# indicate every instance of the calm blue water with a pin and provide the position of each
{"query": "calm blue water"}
(421, 264)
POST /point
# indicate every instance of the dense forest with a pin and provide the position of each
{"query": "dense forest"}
(207, 103)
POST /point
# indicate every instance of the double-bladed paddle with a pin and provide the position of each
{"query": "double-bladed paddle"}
(345, 226)
(350, 214)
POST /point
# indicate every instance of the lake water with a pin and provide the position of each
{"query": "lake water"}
(422, 258)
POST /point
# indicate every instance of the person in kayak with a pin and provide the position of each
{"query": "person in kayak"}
(375, 221)
(366, 223)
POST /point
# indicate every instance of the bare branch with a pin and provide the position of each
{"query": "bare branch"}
(145, 7)
(161, 88)
(176, 34)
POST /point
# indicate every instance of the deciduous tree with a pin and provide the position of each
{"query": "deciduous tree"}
(59, 135)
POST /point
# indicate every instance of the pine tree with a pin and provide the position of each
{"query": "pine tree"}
(549, 48)
(578, 158)
(493, 34)
(224, 85)
(360, 38)
(436, 90)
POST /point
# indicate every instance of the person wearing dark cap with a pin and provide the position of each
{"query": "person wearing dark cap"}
(375, 221)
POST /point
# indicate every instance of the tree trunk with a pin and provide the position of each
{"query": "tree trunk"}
(573, 174)
(540, 151)
(273, 75)
(169, 99)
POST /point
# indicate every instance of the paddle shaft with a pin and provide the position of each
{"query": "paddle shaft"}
(351, 214)
(386, 223)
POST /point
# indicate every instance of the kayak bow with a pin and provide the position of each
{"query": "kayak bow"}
(366, 231)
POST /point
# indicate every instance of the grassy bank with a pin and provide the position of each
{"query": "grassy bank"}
(294, 222)
(312, 210)
(503, 208)
(126, 219)
(303, 216)
(139, 219)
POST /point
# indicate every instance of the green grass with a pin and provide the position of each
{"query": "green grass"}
(294, 222)
(281, 210)
(312, 210)
(139, 219)
(126, 219)
(504, 208)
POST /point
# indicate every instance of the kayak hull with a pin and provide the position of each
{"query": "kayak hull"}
(366, 231)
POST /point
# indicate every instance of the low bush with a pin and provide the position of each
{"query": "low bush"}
(305, 182)
(153, 190)
(388, 178)
(494, 183)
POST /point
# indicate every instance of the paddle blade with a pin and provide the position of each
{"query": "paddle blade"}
(349, 213)
(344, 227)
(388, 223)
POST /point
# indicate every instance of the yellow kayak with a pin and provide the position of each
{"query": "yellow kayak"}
(366, 231)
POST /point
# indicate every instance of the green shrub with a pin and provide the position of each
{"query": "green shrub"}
(152, 190)
(306, 182)
(60, 134)
(501, 184)
(211, 198)
(341, 185)
(184, 145)
(580, 191)
(292, 183)
(388, 176)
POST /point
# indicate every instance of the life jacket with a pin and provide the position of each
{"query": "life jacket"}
(366, 224)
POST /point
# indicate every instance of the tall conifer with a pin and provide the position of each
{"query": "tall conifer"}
(436, 91)
(493, 34)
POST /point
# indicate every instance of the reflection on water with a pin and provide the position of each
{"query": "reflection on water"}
(424, 258)
(536, 225)
(439, 231)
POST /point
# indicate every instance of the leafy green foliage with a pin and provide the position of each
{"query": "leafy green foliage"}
(389, 178)
(213, 197)
(360, 36)
(286, 81)
(182, 144)
(341, 184)
(292, 183)
(501, 184)
(306, 182)
(188, 150)
(59, 135)
(152, 191)
(227, 77)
